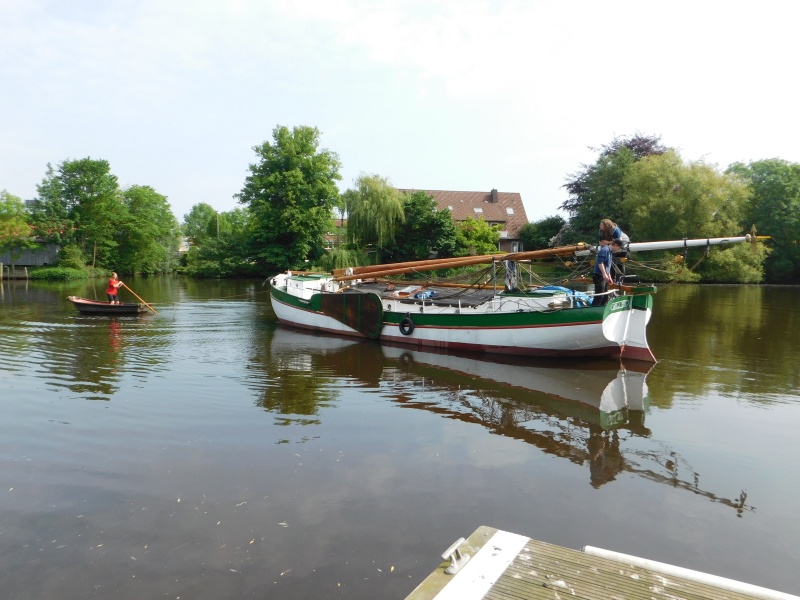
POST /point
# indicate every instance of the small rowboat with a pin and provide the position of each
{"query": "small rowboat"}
(96, 307)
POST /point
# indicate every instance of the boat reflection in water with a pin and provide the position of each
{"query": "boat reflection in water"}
(587, 411)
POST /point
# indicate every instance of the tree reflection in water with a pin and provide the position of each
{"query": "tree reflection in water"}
(583, 411)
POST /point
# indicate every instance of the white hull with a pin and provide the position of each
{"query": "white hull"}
(512, 325)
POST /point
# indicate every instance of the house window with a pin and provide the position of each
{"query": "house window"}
(509, 210)
(516, 246)
(478, 210)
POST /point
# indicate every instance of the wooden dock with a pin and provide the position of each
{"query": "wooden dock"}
(498, 565)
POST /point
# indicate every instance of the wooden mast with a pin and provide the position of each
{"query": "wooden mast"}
(449, 263)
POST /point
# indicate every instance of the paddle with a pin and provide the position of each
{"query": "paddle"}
(140, 300)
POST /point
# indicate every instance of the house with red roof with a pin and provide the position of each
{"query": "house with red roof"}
(496, 208)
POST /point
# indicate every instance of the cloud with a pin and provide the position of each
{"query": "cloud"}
(442, 95)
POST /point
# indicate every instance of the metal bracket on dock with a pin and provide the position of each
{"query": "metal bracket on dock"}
(454, 554)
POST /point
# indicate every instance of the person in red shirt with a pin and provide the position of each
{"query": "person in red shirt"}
(113, 286)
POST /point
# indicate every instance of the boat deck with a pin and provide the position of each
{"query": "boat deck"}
(439, 295)
(406, 293)
(505, 566)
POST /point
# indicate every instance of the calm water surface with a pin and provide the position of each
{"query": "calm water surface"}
(206, 452)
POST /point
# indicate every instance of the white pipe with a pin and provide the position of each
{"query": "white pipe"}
(698, 576)
(673, 244)
(639, 246)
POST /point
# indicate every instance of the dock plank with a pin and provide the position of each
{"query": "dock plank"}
(542, 571)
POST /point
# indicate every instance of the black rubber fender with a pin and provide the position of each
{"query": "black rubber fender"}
(406, 326)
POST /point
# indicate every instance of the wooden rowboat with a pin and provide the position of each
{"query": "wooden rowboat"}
(96, 307)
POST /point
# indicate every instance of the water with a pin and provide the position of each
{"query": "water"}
(206, 452)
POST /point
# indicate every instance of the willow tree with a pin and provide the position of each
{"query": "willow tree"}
(374, 212)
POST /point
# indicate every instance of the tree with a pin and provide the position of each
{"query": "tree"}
(50, 215)
(540, 234)
(15, 232)
(197, 221)
(148, 238)
(374, 211)
(775, 210)
(81, 204)
(223, 253)
(666, 198)
(476, 237)
(291, 193)
(597, 192)
(427, 231)
(95, 206)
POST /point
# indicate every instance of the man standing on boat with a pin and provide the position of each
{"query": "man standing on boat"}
(602, 275)
(113, 286)
(611, 231)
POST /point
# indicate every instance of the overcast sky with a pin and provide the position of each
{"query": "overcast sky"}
(452, 94)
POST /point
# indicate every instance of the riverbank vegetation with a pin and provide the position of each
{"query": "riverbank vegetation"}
(292, 216)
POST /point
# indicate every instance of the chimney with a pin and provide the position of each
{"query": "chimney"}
(494, 196)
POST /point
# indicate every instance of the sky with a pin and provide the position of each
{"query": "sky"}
(464, 95)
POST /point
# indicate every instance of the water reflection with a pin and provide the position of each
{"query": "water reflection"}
(740, 341)
(114, 335)
(590, 412)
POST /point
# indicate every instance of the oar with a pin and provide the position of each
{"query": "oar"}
(140, 300)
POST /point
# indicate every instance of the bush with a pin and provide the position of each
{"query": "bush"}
(71, 257)
(737, 264)
(341, 258)
(58, 274)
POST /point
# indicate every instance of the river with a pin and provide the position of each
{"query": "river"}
(206, 452)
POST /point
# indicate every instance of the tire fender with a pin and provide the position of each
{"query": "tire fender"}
(406, 326)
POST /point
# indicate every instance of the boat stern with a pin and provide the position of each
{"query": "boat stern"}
(625, 323)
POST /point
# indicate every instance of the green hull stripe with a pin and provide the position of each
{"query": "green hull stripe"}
(568, 316)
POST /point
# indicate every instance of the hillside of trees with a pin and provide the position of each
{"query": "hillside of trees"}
(291, 215)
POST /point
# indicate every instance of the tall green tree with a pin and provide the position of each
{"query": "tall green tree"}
(374, 211)
(427, 231)
(475, 237)
(667, 199)
(15, 232)
(95, 203)
(81, 204)
(197, 221)
(596, 191)
(148, 237)
(540, 234)
(775, 210)
(291, 192)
